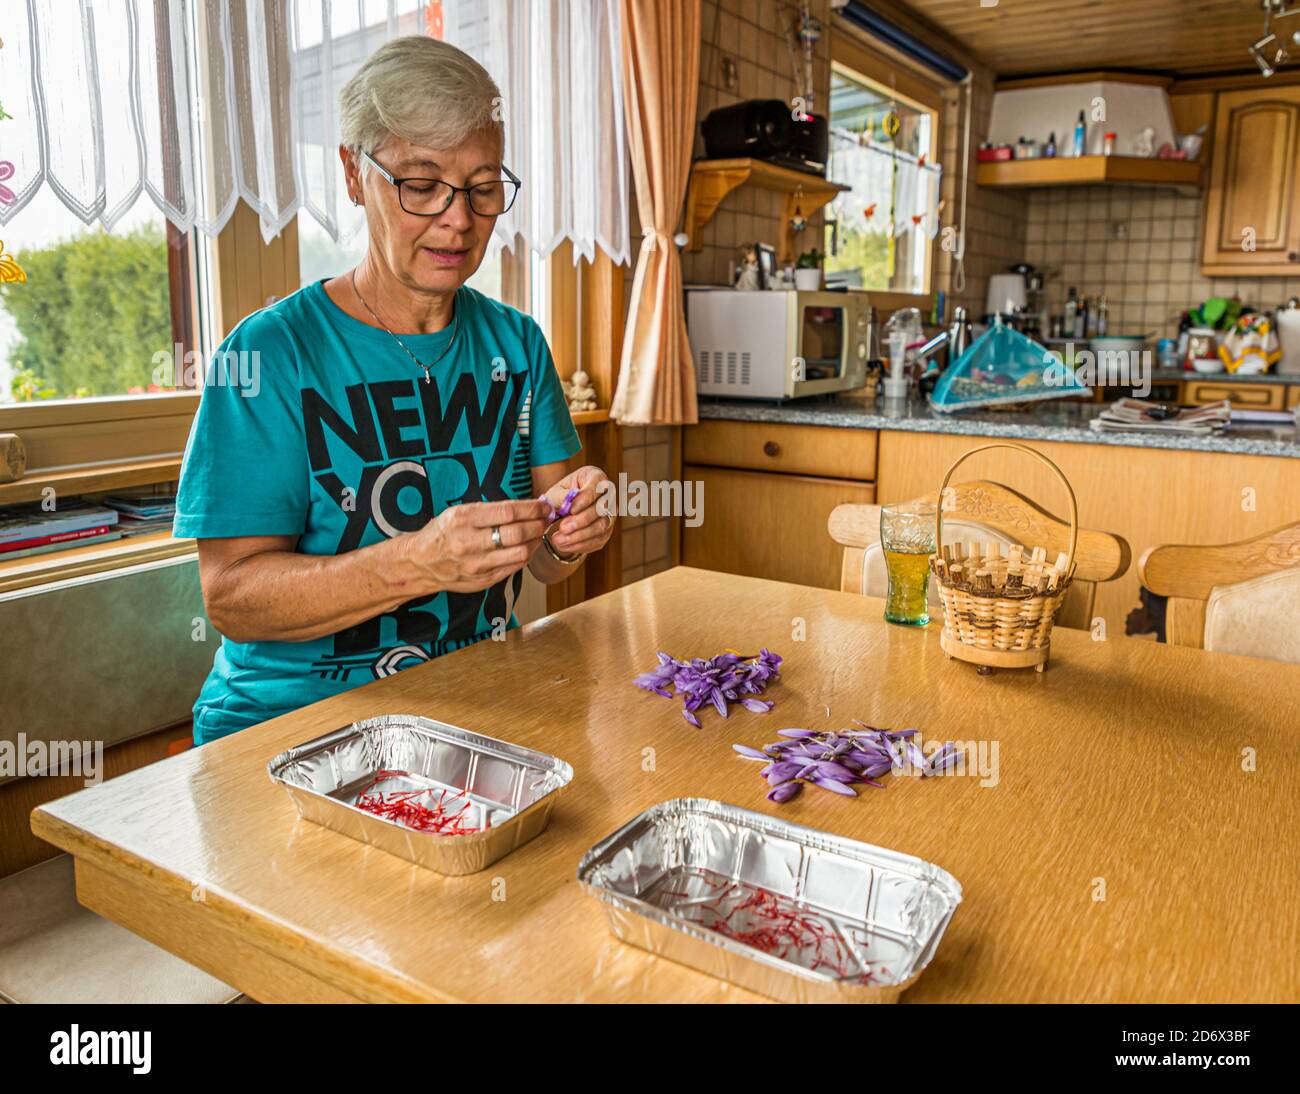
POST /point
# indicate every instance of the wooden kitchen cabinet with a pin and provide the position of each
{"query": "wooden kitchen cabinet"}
(1293, 395)
(1253, 396)
(769, 525)
(1254, 184)
(826, 451)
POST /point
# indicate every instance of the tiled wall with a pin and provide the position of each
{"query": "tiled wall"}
(1140, 247)
(752, 34)
(995, 219)
(648, 457)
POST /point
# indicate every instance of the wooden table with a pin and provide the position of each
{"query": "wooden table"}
(1120, 775)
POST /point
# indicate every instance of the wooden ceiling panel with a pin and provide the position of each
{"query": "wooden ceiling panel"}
(1017, 37)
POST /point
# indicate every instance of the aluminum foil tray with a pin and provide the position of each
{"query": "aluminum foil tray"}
(511, 790)
(704, 883)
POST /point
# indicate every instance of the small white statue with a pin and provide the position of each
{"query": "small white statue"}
(748, 277)
(579, 392)
(1144, 144)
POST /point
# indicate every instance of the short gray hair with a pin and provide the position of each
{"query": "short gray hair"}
(421, 90)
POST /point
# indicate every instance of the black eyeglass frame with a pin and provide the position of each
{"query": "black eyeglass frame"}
(454, 190)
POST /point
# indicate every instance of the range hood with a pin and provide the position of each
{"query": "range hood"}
(1110, 104)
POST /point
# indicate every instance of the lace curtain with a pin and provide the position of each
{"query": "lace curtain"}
(198, 103)
(881, 178)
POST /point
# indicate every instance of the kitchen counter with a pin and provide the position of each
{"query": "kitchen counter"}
(292, 911)
(1050, 421)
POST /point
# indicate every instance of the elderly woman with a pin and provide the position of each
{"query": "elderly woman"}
(371, 501)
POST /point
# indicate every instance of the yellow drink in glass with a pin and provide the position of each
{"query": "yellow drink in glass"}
(909, 582)
(907, 538)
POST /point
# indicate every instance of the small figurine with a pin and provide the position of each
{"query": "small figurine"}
(748, 276)
(579, 392)
(1144, 144)
(1251, 347)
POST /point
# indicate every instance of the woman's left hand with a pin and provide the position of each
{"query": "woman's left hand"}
(585, 529)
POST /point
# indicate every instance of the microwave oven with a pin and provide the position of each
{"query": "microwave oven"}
(777, 344)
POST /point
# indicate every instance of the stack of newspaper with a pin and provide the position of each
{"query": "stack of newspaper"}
(1136, 416)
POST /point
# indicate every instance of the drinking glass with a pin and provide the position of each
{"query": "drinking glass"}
(907, 538)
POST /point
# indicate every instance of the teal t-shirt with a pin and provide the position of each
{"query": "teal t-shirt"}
(315, 425)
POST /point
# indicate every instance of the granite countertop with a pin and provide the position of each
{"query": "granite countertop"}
(1047, 422)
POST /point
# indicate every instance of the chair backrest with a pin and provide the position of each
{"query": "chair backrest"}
(1232, 597)
(977, 512)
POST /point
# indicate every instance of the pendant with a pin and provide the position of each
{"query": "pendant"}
(426, 373)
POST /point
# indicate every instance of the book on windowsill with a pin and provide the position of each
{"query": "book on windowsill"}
(140, 526)
(146, 506)
(60, 543)
(31, 522)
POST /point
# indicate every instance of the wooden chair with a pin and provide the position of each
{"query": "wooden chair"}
(1241, 598)
(982, 512)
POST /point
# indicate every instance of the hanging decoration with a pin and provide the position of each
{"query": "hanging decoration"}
(798, 222)
(810, 32)
(10, 271)
(800, 42)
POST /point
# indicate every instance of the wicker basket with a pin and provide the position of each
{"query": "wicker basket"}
(998, 608)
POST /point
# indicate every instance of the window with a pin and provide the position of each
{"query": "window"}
(94, 309)
(354, 34)
(879, 234)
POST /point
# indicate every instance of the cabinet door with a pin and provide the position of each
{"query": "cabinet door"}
(764, 524)
(1252, 212)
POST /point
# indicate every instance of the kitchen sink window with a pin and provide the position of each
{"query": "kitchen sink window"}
(879, 234)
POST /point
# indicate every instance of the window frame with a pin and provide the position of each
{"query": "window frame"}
(858, 61)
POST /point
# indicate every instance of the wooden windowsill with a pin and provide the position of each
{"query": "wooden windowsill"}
(15, 417)
(72, 481)
(589, 417)
(24, 573)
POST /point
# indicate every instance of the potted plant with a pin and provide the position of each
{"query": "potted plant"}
(808, 271)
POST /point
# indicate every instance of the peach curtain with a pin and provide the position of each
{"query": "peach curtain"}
(661, 72)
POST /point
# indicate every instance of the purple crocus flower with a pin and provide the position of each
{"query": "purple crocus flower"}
(840, 761)
(715, 681)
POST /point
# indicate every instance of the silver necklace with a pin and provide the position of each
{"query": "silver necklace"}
(455, 329)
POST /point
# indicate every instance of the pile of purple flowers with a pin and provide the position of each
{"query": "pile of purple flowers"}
(727, 678)
(836, 761)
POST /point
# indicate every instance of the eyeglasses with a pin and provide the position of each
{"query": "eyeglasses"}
(431, 197)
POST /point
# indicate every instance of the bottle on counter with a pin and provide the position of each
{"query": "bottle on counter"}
(1101, 318)
(1081, 136)
(1081, 319)
(1071, 312)
(1049, 150)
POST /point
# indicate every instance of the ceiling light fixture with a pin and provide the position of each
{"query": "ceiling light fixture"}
(1270, 52)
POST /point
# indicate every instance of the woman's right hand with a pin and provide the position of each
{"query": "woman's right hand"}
(455, 552)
